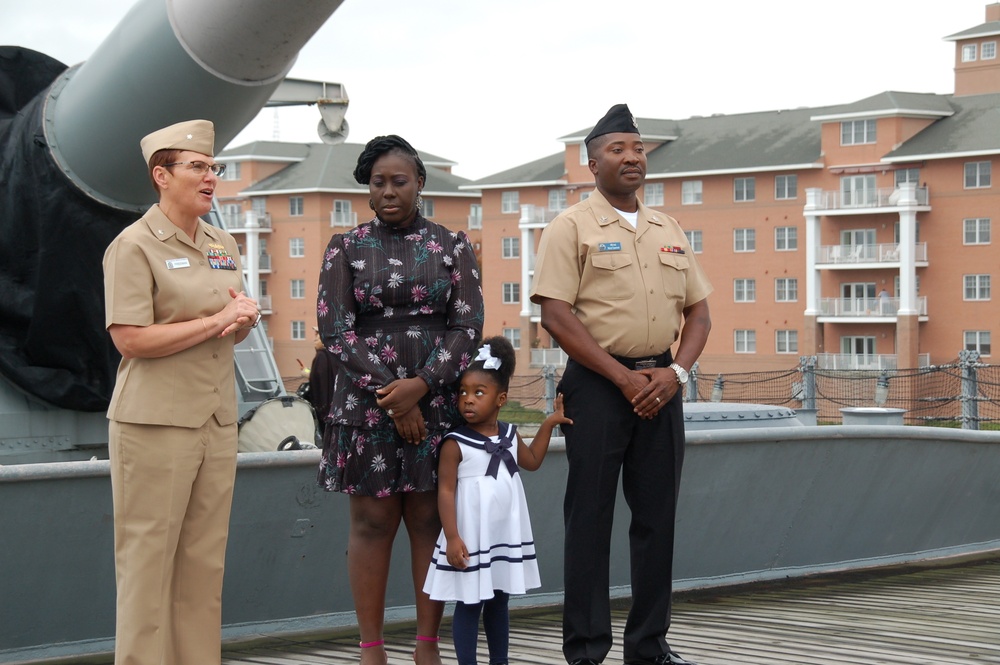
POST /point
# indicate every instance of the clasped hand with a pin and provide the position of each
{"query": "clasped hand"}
(649, 390)
(241, 312)
(400, 399)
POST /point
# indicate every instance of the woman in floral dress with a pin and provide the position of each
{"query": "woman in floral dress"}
(400, 309)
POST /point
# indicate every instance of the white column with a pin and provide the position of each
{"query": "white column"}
(252, 267)
(907, 249)
(812, 244)
(527, 259)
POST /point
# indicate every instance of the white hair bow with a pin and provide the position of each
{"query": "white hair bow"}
(486, 355)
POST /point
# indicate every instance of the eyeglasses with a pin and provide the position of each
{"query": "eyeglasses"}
(201, 168)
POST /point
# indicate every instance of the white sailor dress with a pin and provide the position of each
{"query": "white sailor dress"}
(492, 516)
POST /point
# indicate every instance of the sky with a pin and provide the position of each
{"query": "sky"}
(492, 84)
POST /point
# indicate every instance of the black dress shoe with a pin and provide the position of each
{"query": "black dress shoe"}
(669, 658)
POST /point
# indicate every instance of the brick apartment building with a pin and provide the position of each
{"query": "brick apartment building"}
(860, 233)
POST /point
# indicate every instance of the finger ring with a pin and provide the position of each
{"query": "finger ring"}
(657, 400)
(390, 412)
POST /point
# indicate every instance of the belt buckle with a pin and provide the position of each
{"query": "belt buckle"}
(646, 364)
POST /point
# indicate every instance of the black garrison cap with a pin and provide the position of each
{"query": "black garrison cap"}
(617, 119)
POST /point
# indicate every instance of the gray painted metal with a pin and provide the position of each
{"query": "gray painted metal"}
(756, 504)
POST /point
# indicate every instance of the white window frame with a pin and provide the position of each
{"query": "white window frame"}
(968, 53)
(786, 187)
(232, 171)
(980, 174)
(297, 289)
(586, 195)
(475, 216)
(511, 293)
(557, 199)
(342, 213)
(988, 51)
(510, 202)
(691, 192)
(976, 231)
(744, 189)
(652, 194)
(427, 207)
(858, 191)
(513, 335)
(584, 155)
(744, 290)
(745, 240)
(298, 330)
(786, 289)
(296, 206)
(510, 247)
(786, 238)
(695, 240)
(976, 288)
(978, 340)
(296, 248)
(744, 341)
(786, 341)
(902, 176)
(857, 132)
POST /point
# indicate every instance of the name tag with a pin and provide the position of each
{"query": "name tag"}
(173, 264)
(609, 247)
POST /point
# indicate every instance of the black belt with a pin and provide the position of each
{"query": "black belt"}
(662, 360)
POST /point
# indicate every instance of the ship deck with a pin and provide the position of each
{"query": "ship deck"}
(941, 615)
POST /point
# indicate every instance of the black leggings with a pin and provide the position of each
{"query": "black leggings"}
(496, 624)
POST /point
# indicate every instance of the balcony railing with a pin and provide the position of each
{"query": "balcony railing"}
(543, 357)
(343, 218)
(532, 214)
(865, 361)
(264, 302)
(263, 261)
(237, 221)
(880, 253)
(866, 306)
(882, 197)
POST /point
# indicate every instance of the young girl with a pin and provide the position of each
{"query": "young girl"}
(485, 551)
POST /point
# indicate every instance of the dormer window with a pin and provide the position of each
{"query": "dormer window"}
(969, 53)
(856, 132)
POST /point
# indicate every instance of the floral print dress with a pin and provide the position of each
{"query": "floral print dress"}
(394, 303)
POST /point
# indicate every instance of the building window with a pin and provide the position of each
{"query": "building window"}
(786, 289)
(989, 51)
(969, 53)
(694, 239)
(691, 192)
(296, 247)
(298, 330)
(511, 248)
(977, 175)
(258, 205)
(744, 240)
(298, 289)
(743, 189)
(745, 341)
(232, 171)
(744, 290)
(978, 340)
(858, 191)
(475, 216)
(584, 157)
(856, 132)
(652, 195)
(509, 202)
(342, 215)
(977, 231)
(786, 238)
(557, 199)
(295, 206)
(427, 207)
(511, 293)
(585, 195)
(786, 341)
(977, 287)
(786, 187)
(907, 175)
(513, 335)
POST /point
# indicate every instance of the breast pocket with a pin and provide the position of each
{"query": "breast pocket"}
(673, 270)
(613, 275)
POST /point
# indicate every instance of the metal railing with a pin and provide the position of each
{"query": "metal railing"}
(881, 197)
(879, 253)
(263, 261)
(865, 361)
(543, 357)
(866, 306)
(237, 221)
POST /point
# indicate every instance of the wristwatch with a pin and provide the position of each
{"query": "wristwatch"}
(682, 374)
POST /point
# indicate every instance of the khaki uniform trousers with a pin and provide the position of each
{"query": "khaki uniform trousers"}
(172, 489)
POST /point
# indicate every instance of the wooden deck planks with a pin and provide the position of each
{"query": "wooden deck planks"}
(939, 616)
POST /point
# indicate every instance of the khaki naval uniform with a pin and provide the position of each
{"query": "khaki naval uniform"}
(173, 440)
(629, 287)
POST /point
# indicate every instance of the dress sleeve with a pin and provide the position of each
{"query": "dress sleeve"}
(336, 314)
(453, 352)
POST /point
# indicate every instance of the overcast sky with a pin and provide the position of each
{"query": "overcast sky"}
(492, 84)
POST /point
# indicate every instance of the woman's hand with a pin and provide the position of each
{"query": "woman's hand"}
(239, 313)
(410, 425)
(402, 394)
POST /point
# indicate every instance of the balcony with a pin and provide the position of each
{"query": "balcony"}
(264, 302)
(537, 216)
(343, 218)
(864, 200)
(543, 357)
(847, 256)
(865, 361)
(263, 262)
(885, 308)
(236, 222)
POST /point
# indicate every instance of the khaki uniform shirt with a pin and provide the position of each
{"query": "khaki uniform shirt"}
(628, 287)
(154, 273)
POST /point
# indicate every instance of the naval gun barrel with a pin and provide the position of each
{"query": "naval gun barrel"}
(171, 60)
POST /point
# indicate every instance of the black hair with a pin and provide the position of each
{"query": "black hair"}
(379, 146)
(501, 349)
